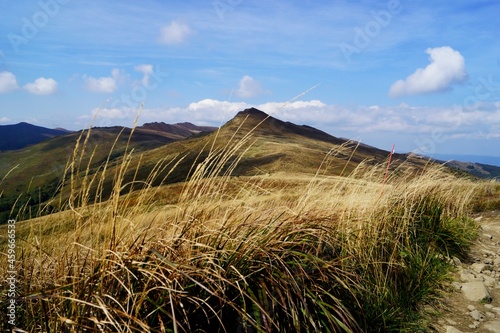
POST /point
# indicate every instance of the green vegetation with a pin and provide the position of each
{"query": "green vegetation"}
(285, 250)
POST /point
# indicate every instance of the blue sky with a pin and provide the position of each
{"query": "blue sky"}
(422, 75)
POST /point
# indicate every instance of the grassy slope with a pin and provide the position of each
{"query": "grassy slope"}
(39, 169)
(294, 248)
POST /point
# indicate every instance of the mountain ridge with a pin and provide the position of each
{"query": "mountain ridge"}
(23, 134)
(274, 146)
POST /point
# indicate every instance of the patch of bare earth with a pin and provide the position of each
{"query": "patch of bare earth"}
(473, 305)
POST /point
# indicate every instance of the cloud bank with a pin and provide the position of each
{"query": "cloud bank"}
(446, 68)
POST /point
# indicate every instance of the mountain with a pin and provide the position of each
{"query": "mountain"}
(251, 143)
(489, 160)
(476, 169)
(34, 173)
(23, 134)
(178, 131)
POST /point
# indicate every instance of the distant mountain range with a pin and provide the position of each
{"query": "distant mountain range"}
(20, 135)
(178, 131)
(15, 137)
(491, 160)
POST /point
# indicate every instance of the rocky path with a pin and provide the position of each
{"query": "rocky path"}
(474, 306)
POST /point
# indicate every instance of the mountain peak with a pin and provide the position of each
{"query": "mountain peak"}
(253, 112)
(23, 134)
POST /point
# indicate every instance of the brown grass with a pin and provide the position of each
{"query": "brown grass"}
(268, 253)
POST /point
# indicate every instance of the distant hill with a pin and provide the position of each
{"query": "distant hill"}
(476, 169)
(178, 131)
(489, 160)
(20, 135)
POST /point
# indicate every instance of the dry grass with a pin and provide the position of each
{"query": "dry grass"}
(276, 253)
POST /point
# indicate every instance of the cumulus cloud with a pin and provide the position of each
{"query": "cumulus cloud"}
(174, 33)
(447, 67)
(411, 127)
(4, 120)
(41, 86)
(114, 113)
(146, 70)
(107, 84)
(8, 82)
(249, 87)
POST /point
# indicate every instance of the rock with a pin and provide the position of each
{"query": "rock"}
(476, 292)
(492, 326)
(489, 281)
(474, 325)
(488, 253)
(471, 307)
(478, 267)
(467, 276)
(451, 329)
(476, 315)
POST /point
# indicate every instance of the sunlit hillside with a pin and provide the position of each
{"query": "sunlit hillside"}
(274, 228)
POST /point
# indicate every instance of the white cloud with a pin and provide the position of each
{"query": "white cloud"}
(146, 70)
(407, 126)
(174, 33)
(8, 82)
(4, 120)
(106, 84)
(41, 86)
(114, 113)
(447, 67)
(249, 87)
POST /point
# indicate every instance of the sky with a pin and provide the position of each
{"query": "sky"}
(422, 75)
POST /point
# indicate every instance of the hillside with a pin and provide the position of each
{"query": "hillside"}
(274, 218)
(34, 173)
(479, 170)
(259, 143)
(23, 134)
(264, 228)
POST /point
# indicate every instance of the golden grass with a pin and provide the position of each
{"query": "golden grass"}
(268, 253)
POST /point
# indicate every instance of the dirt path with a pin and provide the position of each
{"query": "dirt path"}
(474, 306)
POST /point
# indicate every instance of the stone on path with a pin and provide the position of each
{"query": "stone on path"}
(451, 329)
(476, 291)
(478, 267)
(492, 326)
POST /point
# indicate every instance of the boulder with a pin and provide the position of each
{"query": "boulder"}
(476, 291)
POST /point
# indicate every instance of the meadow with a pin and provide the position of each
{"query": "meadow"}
(286, 251)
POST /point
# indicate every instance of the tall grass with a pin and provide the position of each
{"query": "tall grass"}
(282, 253)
